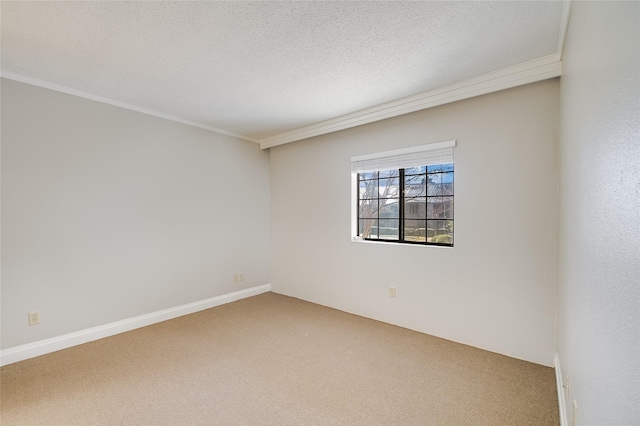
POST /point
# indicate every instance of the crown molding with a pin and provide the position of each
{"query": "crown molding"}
(71, 91)
(517, 75)
(564, 26)
(527, 72)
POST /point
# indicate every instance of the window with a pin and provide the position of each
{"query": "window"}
(406, 195)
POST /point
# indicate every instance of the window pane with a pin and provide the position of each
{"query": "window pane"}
(414, 191)
(440, 208)
(368, 209)
(389, 173)
(390, 209)
(434, 185)
(414, 186)
(447, 167)
(370, 175)
(368, 228)
(414, 180)
(415, 208)
(447, 184)
(389, 229)
(447, 207)
(369, 189)
(415, 170)
(432, 211)
(389, 187)
(434, 168)
(440, 231)
(415, 230)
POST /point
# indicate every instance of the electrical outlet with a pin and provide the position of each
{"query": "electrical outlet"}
(237, 277)
(392, 291)
(241, 276)
(34, 318)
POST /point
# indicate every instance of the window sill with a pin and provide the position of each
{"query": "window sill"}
(394, 243)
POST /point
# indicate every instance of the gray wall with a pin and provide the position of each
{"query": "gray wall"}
(497, 288)
(108, 213)
(599, 297)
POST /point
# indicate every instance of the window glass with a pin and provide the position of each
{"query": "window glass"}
(413, 205)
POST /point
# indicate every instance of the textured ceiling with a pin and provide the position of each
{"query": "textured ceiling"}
(258, 69)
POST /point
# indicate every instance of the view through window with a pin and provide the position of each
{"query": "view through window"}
(408, 205)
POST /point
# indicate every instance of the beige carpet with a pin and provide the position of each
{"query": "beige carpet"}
(272, 359)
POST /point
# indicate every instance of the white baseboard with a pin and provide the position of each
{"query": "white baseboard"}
(562, 406)
(31, 350)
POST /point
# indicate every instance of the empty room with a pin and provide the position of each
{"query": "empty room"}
(320, 213)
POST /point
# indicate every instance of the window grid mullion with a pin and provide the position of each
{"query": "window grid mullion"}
(378, 210)
(426, 205)
(401, 218)
(358, 203)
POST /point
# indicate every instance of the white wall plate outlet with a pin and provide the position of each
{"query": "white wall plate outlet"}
(34, 318)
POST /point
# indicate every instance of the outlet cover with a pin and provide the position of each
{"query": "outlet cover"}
(34, 318)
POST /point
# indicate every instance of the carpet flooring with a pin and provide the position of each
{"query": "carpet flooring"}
(276, 360)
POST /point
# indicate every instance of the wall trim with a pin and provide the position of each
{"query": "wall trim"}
(562, 406)
(517, 75)
(31, 350)
(564, 26)
(79, 93)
